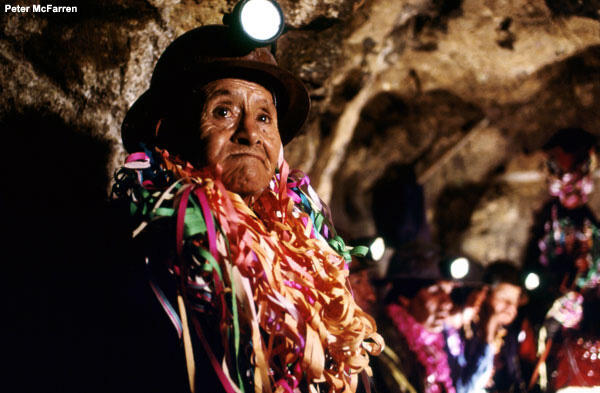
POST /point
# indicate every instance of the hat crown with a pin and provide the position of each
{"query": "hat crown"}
(203, 48)
(422, 260)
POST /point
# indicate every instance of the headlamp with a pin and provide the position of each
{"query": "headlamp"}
(532, 281)
(258, 21)
(459, 268)
(377, 249)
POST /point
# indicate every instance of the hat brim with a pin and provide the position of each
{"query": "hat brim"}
(292, 99)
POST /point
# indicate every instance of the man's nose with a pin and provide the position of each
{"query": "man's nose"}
(446, 303)
(248, 131)
(446, 306)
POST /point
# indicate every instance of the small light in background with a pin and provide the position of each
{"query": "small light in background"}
(377, 249)
(522, 336)
(459, 268)
(532, 281)
(261, 20)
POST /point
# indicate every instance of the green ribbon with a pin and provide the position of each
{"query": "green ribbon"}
(337, 243)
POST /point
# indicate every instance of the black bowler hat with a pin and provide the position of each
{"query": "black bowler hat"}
(420, 264)
(418, 260)
(202, 55)
(578, 145)
(573, 140)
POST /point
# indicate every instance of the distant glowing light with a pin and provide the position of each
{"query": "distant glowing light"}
(261, 19)
(522, 336)
(532, 281)
(377, 249)
(459, 268)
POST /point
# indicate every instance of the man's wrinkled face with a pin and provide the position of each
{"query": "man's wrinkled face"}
(238, 129)
(431, 306)
(504, 301)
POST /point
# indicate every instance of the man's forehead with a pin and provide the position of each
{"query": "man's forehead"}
(507, 288)
(232, 87)
(444, 285)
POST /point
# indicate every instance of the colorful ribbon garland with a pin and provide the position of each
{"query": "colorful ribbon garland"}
(279, 266)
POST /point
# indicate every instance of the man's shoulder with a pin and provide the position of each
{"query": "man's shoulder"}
(398, 367)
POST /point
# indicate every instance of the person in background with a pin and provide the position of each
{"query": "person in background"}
(466, 306)
(565, 230)
(491, 355)
(412, 317)
(565, 252)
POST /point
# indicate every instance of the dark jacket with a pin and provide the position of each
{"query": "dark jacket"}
(397, 364)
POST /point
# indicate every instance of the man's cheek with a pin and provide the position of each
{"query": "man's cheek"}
(273, 148)
(213, 150)
(430, 306)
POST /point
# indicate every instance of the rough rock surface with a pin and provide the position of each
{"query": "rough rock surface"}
(459, 90)
(456, 90)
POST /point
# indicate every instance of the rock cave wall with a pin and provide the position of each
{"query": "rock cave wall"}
(462, 92)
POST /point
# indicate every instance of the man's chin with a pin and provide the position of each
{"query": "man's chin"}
(507, 319)
(245, 190)
(245, 183)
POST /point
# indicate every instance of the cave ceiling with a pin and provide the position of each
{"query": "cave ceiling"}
(464, 93)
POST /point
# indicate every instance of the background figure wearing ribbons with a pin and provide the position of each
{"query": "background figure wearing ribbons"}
(240, 250)
(415, 305)
(565, 253)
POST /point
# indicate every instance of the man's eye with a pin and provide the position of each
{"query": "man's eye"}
(264, 118)
(222, 112)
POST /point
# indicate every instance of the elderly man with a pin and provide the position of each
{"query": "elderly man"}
(262, 297)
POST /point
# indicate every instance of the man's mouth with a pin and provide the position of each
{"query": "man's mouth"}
(251, 154)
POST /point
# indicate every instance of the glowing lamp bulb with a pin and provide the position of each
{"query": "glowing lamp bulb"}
(459, 268)
(532, 281)
(377, 249)
(261, 19)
